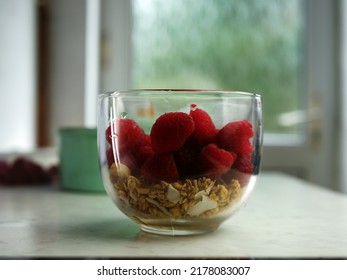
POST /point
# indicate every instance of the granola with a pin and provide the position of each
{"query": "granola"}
(201, 197)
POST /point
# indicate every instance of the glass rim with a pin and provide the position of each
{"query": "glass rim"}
(116, 93)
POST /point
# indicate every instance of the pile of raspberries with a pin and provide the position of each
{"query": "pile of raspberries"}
(24, 171)
(181, 146)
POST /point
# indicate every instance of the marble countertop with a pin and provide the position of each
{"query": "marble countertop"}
(284, 218)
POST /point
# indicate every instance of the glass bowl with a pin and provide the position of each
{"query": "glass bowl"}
(179, 162)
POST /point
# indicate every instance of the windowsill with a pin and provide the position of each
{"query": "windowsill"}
(283, 140)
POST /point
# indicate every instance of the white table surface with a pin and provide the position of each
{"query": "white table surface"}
(284, 218)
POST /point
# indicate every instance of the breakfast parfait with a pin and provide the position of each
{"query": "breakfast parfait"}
(184, 168)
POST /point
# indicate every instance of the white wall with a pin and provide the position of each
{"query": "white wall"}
(17, 75)
(67, 104)
(67, 62)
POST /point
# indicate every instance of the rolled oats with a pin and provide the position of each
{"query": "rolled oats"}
(175, 199)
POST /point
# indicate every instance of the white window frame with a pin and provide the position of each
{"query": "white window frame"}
(342, 161)
(317, 158)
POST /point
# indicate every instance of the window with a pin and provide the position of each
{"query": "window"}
(285, 50)
(251, 45)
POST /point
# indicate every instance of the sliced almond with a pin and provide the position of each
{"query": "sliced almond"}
(173, 195)
(202, 206)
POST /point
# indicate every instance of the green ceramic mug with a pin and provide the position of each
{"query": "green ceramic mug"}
(79, 167)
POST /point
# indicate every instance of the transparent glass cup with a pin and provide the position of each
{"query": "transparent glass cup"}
(179, 162)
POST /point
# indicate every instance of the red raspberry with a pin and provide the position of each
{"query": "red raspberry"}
(25, 171)
(127, 133)
(144, 153)
(186, 159)
(4, 172)
(136, 157)
(234, 137)
(205, 130)
(245, 147)
(110, 156)
(244, 164)
(170, 131)
(214, 162)
(129, 159)
(242, 169)
(132, 159)
(160, 167)
(148, 140)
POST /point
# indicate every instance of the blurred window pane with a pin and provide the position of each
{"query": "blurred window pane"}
(251, 45)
